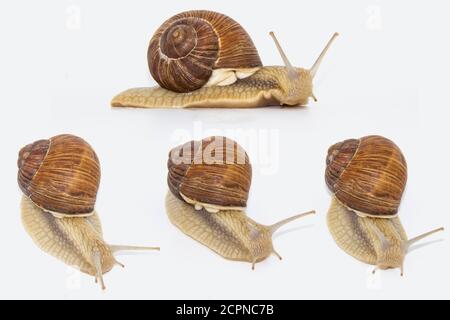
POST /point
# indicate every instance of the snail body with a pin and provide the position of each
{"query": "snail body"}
(75, 241)
(59, 178)
(204, 59)
(362, 238)
(213, 212)
(268, 86)
(367, 177)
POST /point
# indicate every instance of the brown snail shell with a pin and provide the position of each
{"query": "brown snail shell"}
(60, 175)
(186, 49)
(367, 175)
(214, 173)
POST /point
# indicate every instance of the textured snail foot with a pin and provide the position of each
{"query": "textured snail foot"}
(258, 90)
(379, 242)
(50, 235)
(229, 233)
(154, 97)
(348, 232)
(231, 96)
(226, 232)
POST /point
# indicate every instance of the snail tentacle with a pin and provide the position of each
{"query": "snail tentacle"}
(422, 236)
(97, 259)
(319, 60)
(273, 228)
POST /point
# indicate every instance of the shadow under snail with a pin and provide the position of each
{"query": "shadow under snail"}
(59, 178)
(367, 177)
(209, 182)
(206, 59)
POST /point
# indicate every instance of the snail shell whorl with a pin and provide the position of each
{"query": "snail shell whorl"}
(29, 162)
(214, 171)
(186, 49)
(60, 175)
(338, 158)
(367, 175)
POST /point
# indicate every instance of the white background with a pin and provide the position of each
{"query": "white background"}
(62, 62)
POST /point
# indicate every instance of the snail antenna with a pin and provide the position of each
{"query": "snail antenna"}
(316, 64)
(278, 225)
(96, 259)
(427, 234)
(277, 254)
(120, 264)
(291, 70)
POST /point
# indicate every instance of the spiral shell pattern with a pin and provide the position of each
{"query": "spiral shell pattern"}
(186, 49)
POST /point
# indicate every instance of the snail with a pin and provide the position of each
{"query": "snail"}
(59, 178)
(367, 177)
(209, 183)
(206, 59)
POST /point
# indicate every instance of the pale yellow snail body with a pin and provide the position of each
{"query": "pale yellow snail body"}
(367, 177)
(59, 178)
(209, 182)
(204, 59)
